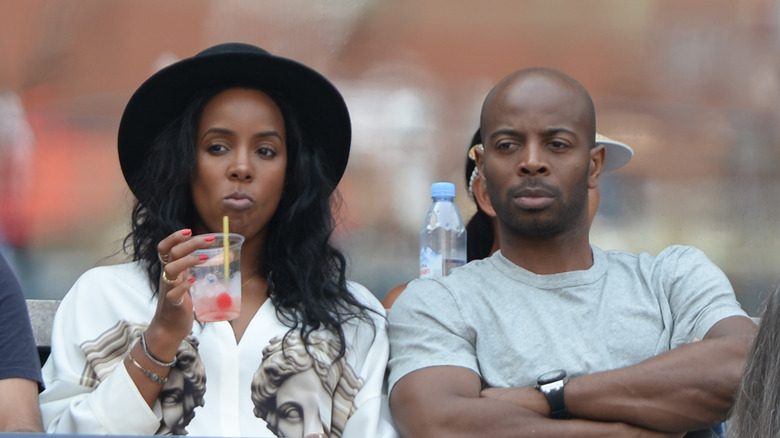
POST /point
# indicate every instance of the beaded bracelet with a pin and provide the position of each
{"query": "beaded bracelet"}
(156, 361)
(154, 377)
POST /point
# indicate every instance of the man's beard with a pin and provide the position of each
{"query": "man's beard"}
(553, 220)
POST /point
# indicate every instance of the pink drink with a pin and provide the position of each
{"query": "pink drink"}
(216, 295)
(217, 301)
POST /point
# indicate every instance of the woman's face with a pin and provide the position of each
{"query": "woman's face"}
(241, 157)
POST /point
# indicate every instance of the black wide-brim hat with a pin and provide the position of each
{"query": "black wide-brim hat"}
(322, 114)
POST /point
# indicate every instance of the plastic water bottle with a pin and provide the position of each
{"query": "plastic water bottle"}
(443, 235)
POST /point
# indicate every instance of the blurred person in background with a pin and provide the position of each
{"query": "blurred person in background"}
(20, 368)
(16, 148)
(232, 131)
(552, 336)
(756, 411)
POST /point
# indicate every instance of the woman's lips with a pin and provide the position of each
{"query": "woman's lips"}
(238, 201)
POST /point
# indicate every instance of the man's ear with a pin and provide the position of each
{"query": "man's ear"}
(480, 184)
(597, 156)
(481, 196)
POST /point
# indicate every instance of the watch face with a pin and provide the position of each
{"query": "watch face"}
(551, 376)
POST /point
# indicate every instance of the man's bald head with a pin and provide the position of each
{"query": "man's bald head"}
(532, 83)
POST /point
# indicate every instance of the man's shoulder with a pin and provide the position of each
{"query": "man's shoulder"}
(668, 254)
(447, 294)
(461, 279)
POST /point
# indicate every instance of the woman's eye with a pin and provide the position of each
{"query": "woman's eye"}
(266, 152)
(216, 148)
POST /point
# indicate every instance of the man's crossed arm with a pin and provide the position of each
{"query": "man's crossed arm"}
(688, 388)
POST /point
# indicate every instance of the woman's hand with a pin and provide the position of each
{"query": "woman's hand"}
(173, 319)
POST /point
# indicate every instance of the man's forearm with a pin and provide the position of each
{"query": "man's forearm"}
(495, 419)
(445, 401)
(688, 388)
(19, 407)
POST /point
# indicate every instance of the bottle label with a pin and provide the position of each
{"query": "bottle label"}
(430, 263)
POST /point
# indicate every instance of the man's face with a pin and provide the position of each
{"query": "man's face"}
(537, 133)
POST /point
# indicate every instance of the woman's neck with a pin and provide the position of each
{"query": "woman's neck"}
(252, 258)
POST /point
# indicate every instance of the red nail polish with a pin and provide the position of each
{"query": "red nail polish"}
(191, 279)
(186, 232)
(203, 257)
(210, 238)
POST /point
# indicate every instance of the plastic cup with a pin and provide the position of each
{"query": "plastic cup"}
(216, 296)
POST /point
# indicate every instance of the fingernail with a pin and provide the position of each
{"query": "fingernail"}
(203, 257)
(186, 232)
(191, 279)
(210, 238)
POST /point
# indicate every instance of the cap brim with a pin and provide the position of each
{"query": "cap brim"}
(617, 154)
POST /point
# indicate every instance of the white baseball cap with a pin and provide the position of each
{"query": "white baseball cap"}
(618, 154)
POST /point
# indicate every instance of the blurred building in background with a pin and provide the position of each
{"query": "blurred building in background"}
(692, 86)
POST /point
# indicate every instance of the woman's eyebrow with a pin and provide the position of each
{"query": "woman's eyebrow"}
(217, 130)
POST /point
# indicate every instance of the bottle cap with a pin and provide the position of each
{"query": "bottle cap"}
(442, 190)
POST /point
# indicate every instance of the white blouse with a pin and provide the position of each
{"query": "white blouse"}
(348, 402)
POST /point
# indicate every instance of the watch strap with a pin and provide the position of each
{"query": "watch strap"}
(553, 392)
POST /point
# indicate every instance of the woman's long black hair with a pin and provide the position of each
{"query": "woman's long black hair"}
(479, 228)
(306, 273)
(756, 410)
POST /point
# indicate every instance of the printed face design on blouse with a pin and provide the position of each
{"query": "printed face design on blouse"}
(183, 391)
(299, 392)
(180, 394)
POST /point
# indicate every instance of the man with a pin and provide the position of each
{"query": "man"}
(619, 344)
(20, 369)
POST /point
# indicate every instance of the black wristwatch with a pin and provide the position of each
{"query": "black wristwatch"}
(551, 384)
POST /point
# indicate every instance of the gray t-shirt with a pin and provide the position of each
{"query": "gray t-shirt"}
(510, 325)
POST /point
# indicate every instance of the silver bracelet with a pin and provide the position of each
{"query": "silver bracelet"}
(154, 377)
(156, 361)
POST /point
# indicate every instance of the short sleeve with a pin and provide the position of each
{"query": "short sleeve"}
(427, 328)
(17, 344)
(699, 293)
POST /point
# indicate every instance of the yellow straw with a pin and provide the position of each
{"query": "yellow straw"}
(226, 245)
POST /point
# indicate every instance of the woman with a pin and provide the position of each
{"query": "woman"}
(756, 411)
(233, 131)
